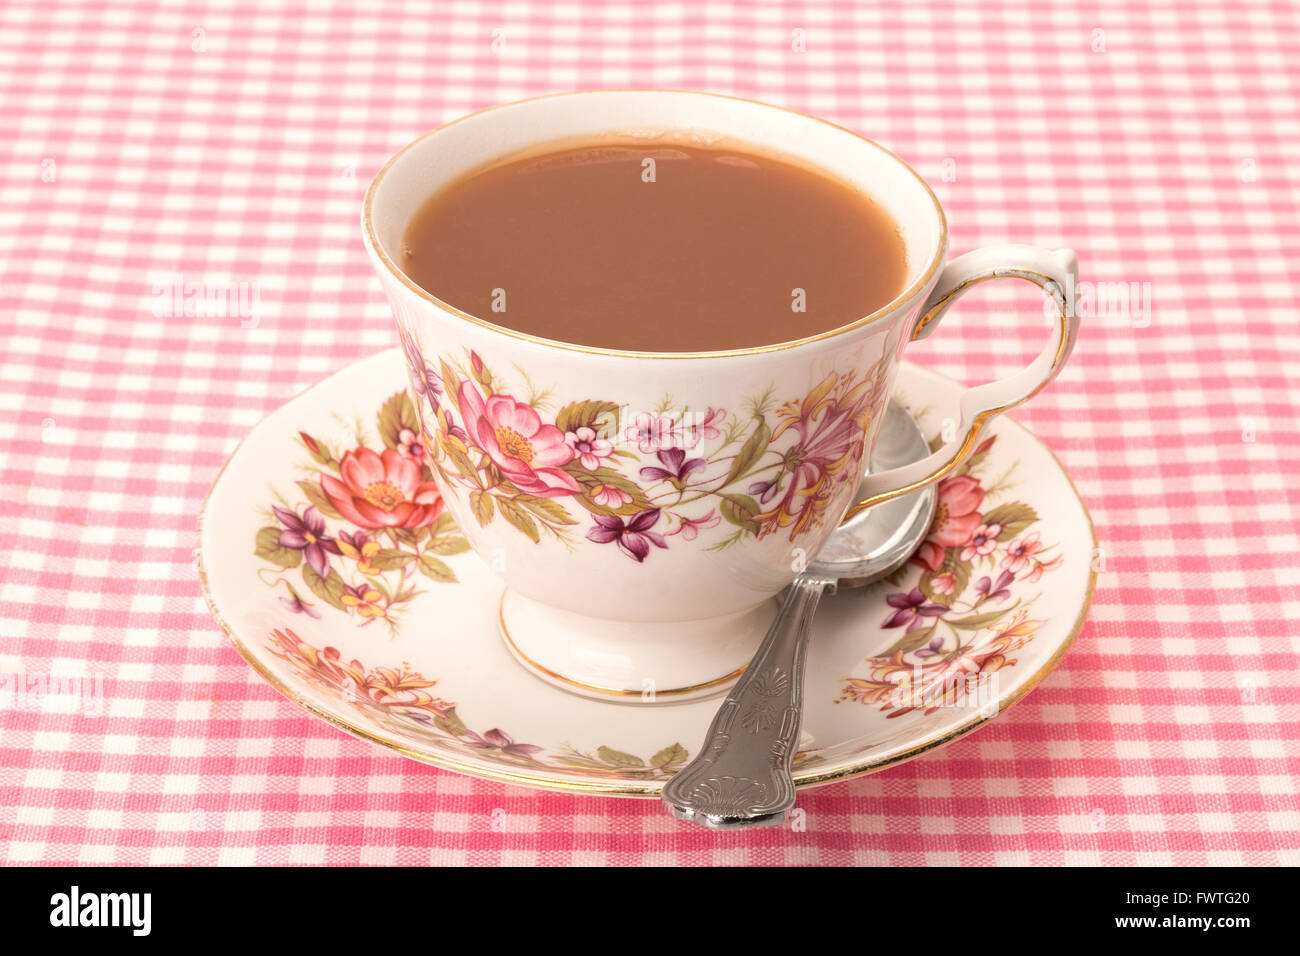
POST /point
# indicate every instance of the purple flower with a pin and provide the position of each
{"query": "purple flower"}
(495, 739)
(765, 491)
(634, 536)
(425, 381)
(995, 591)
(296, 604)
(307, 534)
(453, 431)
(934, 647)
(910, 608)
(355, 540)
(677, 467)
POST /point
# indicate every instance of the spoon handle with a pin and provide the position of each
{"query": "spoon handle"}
(742, 776)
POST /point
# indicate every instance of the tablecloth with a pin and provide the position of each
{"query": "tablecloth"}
(146, 142)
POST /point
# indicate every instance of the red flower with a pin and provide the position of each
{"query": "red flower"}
(955, 520)
(382, 491)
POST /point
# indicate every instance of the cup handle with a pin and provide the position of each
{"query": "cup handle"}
(1057, 272)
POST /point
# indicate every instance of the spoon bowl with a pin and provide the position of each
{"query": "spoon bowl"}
(875, 543)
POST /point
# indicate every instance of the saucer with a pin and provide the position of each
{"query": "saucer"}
(393, 636)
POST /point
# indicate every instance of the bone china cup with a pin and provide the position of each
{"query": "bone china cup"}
(643, 509)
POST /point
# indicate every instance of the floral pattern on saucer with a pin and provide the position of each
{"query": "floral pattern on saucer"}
(1012, 540)
(400, 696)
(388, 524)
(636, 480)
(968, 611)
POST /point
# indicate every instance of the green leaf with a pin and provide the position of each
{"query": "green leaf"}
(329, 590)
(740, 511)
(1014, 518)
(450, 381)
(268, 549)
(450, 544)
(588, 481)
(583, 763)
(751, 451)
(548, 509)
(316, 495)
(669, 757)
(397, 413)
(896, 578)
(431, 567)
(451, 724)
(481, 504)
(519, 518)
(971, 463)
(464, 467)
(601, 417)
(910, 642)
(976, 621)
(445, 522)
(616, 758)
(409, 536)
(389, 559)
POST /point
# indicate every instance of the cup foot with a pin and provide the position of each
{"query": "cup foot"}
(634, 662)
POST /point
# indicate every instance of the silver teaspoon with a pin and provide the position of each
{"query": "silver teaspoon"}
(741, 777)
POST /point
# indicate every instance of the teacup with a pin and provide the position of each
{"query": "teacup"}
(621, 588)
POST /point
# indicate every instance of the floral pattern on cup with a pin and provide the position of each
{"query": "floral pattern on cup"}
(365, 526)
(642, 481)
(965, 616)
(401, 697)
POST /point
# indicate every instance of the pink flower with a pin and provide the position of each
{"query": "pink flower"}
(588, 448)
(944, 583)
(983, 541)
(707, 429)
(651, 432)
(1041, 566)
(409, 446)
(512, 435)
(1021, 552)
(382, 491)
(689, 528)
(610, 497)
(955, 520)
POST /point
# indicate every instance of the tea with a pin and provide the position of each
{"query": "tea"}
(667, 248)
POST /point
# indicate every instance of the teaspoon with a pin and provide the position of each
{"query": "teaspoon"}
(742, 776)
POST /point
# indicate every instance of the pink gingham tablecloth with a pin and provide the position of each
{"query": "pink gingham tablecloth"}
(232, 142)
